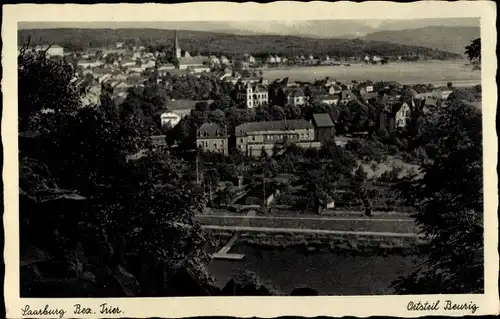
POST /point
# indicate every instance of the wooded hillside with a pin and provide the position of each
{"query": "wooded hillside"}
(219, 43)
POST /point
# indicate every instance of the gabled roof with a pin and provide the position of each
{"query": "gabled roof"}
(420, 89)
(322, 120)
(397, 106)
(443, 89)
(212, 130)
(182, 104)
(243, 129)
(297, 92)
(193, 60)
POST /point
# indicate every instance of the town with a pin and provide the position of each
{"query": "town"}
(212, 143)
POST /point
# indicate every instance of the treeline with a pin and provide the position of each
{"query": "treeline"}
(228, 44)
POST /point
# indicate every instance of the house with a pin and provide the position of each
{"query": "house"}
(182, 107)
(104, 78)
(213, 60)
(135, 80)
(147, 64)
(271, 60)
(192, 62)
(401, 113)
(330, 99)
(92, 96)
(364, 88)
(169, 119)
(324, 128)
(199, 69)
(253, 79)
(254, 137)
(442, 92)
(252, 94)
(89, 64)
(249, 58)
(346, 96)
(334, 89)
(127, 63)
(224, 60)
(296, 97)
(422, 92)
(212, 137)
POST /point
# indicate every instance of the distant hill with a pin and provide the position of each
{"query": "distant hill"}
(450, 39)
(222, 43)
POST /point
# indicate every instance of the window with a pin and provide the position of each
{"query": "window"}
(253, 138)
(241, 140)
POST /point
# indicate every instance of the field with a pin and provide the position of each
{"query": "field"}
(387, 166)
(435, 72)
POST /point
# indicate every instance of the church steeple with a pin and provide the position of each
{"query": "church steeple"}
(177, 49)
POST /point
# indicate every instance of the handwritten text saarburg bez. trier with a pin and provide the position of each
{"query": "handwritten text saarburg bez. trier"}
(78, 309)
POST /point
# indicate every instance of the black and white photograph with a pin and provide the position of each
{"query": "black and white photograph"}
(236, 158)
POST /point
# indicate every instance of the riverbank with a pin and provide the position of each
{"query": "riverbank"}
(434, 72)
(339, 244)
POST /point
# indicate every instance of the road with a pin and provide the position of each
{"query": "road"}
(364, 219)
(342, 224)
(311, 231)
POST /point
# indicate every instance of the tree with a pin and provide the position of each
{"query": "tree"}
(138, 216)
(293, 112)
(225, 196)
(449, 202)
(277, 113)
(42, 85)
(473, 50)
(217, 116)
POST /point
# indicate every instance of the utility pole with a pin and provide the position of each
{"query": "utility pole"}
(197, 171)
(264, 187)
(210, 190)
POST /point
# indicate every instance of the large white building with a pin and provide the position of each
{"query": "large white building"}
(252, 94)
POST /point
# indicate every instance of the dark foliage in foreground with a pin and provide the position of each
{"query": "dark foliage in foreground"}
(93, 223)
(449, 201)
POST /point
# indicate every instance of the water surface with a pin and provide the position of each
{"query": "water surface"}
(328, 273)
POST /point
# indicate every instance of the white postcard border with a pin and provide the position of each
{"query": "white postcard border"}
(361, 306)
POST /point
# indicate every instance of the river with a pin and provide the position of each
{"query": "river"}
(326, 272)
(435, 72)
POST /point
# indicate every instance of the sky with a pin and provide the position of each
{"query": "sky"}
(310, 28)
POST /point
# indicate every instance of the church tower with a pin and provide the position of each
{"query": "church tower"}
(176, 49)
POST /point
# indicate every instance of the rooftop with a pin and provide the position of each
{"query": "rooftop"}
(243, 129)
(193, 60)
(322, 120)
(212, 130)
(183, 104)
